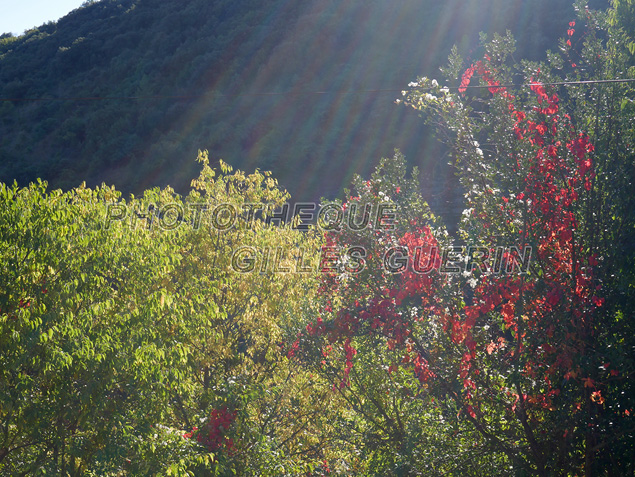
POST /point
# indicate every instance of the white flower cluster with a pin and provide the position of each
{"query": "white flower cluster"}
(479, 151)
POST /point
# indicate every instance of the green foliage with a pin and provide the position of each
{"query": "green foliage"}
(83, 367)
(134, 341)
(123, 326)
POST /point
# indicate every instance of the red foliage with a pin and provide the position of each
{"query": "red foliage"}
(544, 314)
(213, 434)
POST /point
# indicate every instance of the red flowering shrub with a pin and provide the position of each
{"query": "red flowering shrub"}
(509, 343)
(213, 434)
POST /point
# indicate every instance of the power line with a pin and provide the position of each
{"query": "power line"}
(555, 83)
(297, 93)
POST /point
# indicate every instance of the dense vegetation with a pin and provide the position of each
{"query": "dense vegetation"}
(199, 334)
(223, 55)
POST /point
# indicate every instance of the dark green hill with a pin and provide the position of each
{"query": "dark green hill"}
(274, 84)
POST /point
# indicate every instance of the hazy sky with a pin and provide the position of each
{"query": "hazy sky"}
(19, 15)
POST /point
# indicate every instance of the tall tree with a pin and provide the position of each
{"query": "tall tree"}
(522, 331)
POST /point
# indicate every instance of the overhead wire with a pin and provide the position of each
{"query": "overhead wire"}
(295, 93)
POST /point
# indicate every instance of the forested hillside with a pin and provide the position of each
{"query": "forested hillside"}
(127, 91)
